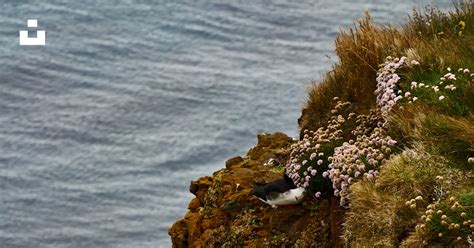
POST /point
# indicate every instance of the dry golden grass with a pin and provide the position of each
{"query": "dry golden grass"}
(412, 173)
(373, 217)
(360, 51)
(363, 48)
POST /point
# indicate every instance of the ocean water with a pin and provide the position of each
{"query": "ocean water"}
(102, 129)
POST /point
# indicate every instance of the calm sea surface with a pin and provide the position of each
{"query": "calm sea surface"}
(103, 128)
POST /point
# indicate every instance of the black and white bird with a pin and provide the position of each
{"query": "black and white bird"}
(279, 192)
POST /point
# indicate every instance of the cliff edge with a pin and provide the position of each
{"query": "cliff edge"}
(223, 214)
(386, 150)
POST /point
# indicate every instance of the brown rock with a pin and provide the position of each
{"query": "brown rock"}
(216, 219)
(284, 216)
(231, 206)
(224, 214)
(194, 187)
(200, 187)
(197, 244)
(194, 204)
(268, 145)
(233, 161)
(179, 235)
(193, 225)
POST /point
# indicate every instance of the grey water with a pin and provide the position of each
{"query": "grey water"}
(102, 129)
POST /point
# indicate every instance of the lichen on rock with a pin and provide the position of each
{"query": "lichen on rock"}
(223, 214)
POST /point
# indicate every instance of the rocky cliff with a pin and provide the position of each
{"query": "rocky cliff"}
(223, 214)
(388, 134)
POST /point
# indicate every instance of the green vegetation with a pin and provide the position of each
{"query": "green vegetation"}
(401, 159)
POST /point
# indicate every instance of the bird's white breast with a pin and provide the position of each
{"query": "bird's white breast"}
(293, 196)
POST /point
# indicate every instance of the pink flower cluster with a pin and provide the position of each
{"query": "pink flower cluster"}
(359, 158)
(306, 155)
(449, 76)
(387, 79)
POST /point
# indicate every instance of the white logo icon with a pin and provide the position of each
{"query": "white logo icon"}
(39, 40)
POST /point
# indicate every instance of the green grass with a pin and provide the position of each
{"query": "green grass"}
(446, 135)
(459, 102)
(467, 200)
(278, 169)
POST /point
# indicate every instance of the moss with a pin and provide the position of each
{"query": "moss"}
(280, 240)
(312, 206)
(315, 235)
(278, 169)
(213, 194)
(253, 219)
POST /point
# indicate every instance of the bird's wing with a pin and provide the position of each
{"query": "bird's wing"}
(259, 192)
(273, 195)
(279, 186)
